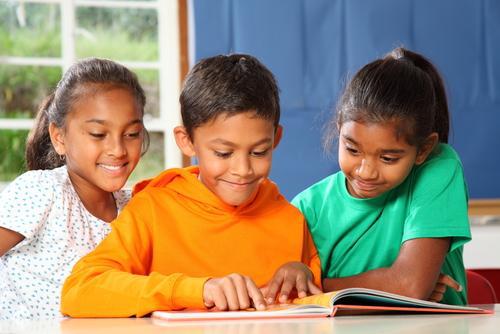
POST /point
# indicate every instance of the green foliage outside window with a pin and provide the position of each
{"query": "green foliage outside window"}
(120, 34)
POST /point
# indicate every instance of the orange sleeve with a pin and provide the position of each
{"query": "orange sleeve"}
(310, 256)
(114, 280)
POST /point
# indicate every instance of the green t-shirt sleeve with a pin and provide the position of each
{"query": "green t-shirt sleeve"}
(438, 207)
(304, 202)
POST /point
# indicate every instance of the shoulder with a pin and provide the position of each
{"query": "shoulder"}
(443, 155)
(441, 166)
(311, 202)
(318, 191)
(440, 174)
(144, 202)
(27, 202)
(37, 182)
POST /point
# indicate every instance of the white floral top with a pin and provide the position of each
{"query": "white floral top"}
(43, 206)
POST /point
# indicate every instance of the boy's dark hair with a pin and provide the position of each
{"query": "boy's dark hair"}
(81, 79)
(403, 87)
(228, 85)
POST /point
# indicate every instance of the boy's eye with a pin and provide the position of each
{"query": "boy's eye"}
(259, 153)
(223, 155)
(97, 135)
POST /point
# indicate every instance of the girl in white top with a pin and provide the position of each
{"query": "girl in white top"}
(87, 139)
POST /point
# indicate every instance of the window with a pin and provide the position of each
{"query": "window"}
(39, 39)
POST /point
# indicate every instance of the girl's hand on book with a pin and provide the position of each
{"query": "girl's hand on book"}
(232, 292)
(443, 282)
(291, 275)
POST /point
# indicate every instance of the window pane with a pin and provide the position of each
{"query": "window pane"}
(152, 162)
(117, 33)
(24, 88)
(12, 145)
(30, 30)
(149, 81)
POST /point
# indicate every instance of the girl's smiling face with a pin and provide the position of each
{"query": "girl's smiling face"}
(101, 140)
(375, 159)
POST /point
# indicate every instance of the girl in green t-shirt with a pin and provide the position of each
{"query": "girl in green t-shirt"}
(395, 217)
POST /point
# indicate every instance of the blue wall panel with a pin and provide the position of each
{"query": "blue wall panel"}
(313, 47)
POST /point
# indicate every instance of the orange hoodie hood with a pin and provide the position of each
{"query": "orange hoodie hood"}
(185, 182)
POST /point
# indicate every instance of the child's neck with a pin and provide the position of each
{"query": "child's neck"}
(101, 204)
(103, 208)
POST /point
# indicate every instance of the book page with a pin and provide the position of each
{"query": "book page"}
(324, 299)
(272, 311)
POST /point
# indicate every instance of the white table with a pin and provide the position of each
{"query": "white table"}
(372, 324)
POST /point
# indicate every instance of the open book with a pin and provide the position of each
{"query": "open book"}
(343, 302)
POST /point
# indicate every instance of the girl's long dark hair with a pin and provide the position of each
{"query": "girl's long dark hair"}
(40, 154)
(404, 87)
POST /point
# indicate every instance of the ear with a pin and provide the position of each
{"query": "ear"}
(277, 136)
(427, 148)
(183, 141)
(57, 138)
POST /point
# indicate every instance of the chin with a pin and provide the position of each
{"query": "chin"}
(235, 201)
(113, 187)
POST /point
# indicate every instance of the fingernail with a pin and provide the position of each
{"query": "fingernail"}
(460, 288)
(261, 307)
(270, 300)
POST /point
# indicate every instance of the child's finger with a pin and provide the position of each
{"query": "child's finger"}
(286, 288)
(274, 287)
(230, 293)
(441, 288)
(313, 289)
(301, 286)
(264, 290)
(436, 297)
(255, 294)
(217, 298)
(450, 282)
(241, 291)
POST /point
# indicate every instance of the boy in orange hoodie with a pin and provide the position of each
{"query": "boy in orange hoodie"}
(211, 236)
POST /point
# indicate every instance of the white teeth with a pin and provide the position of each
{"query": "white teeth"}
(110, 167)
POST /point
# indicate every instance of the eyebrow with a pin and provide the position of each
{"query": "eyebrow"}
(229, 143)
(384, 151)
(103, 122)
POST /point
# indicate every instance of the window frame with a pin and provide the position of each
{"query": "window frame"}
(168, 64)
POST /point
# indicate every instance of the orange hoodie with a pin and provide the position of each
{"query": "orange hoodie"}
(174, 235)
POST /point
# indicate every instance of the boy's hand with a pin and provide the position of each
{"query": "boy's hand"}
(444, 281)
(289, 276)
(232, 292)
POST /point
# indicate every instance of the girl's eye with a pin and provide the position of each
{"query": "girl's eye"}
(223, 155)
(389, 160)
(97, 135)
(133, 134)
(351, 150)
(259, 153)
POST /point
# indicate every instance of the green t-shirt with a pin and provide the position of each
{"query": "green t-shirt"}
(355, 235)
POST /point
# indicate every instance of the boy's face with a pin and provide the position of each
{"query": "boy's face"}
(234, 154)
(375, 160)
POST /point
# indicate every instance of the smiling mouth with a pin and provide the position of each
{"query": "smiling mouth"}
(112, 168)
(365, 186)
(239, 184)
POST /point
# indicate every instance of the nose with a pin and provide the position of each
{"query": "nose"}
(367, 170)
(116, 147)
(241, 166)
